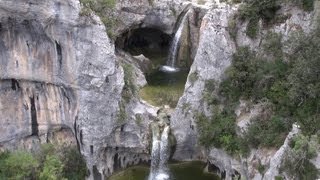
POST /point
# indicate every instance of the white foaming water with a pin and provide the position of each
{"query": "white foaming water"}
(162, 177)
(169, 69)
(164, 149)
(173, 52)
(160, 154)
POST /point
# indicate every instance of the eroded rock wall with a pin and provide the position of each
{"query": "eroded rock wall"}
(213, 57)
(59, 72)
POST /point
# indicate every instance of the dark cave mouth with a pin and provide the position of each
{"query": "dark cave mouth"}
(163, 88)
(152, 43)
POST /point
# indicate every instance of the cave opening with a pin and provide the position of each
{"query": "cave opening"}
(152, 43)
(164, 88)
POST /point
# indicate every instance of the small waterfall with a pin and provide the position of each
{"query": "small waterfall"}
(160, 152)
(155, 152)
(164, 150)
(174, 48)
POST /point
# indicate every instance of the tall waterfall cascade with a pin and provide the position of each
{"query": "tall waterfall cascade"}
(174, 47)
(160, 150)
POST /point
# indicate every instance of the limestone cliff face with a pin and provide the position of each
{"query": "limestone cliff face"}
(213, 57)
(61, 81)
(59, 77)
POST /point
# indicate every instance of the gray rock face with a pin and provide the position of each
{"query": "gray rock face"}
(212, 58)
(159, 14)
(59, 72)
(60, 80)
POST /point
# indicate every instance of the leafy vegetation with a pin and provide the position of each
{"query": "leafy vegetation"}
(297, 164)
(129, 89)
(49, 164)
(254, 10)
(290, 89)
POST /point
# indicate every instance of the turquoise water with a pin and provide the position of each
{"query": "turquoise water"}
(181, 171)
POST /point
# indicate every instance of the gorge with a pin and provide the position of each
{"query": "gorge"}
(86, 81)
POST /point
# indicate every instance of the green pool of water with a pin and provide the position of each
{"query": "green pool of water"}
(164, 88)
(181, 171)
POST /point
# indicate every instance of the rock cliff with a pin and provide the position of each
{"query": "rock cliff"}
(61, 79)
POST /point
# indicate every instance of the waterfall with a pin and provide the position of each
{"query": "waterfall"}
(174, 48)
(160, 153)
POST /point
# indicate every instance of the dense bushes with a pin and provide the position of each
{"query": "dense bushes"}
(296, 163)
(48, 164)
(290, 88)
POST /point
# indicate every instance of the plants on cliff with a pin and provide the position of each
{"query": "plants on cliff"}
(291, 87)
(129, 89)
(267, 132)
(307, 5)
(52, 168)
(122, 114)
(218, 130)
(103, 8)
(297, 160)
(254, 10)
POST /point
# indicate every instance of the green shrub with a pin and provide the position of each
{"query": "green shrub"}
(20, 165)
(241, 77)
(273, 45)
(52, 168)
(74, 165)
(49, 163)
(267, 132)
(218, 130)
(254, 10)
(252, 28)
(304, 89)
(291, 87)
(129, 89)
(296, 162)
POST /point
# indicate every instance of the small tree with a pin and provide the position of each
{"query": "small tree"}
(20, 165)
(52, 169)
